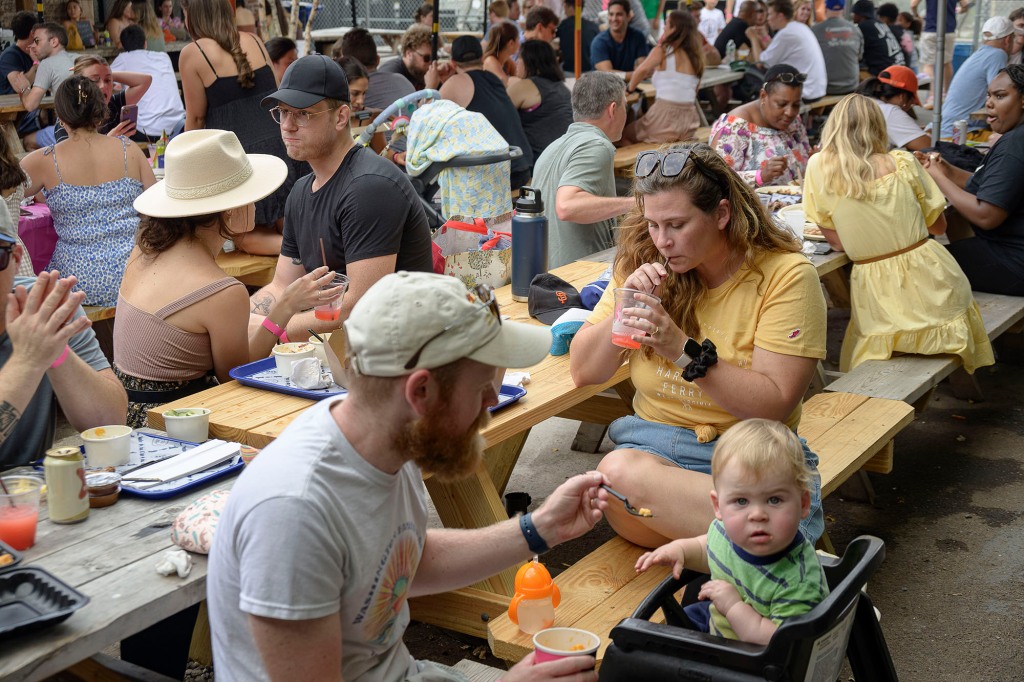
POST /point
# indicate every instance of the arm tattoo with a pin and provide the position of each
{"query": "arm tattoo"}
(261, 303)
(296, 261)
(9, 416)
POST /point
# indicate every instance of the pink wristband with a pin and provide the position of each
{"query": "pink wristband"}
(60, 360)
(277, 331)
(757, 178)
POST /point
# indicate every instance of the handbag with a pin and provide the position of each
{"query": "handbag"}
(475, 253)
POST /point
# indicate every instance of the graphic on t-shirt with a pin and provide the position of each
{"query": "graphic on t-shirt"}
(390, 589)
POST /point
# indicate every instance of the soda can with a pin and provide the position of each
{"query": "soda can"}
(67, 497)
(960, 131)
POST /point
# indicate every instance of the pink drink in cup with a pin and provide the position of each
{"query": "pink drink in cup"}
(331, 311)
(622, 333)
(19, 511)
(555, 643)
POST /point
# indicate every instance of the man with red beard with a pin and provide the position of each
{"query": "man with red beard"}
(324, 538)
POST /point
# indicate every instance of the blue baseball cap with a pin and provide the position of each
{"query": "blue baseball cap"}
(835, 4)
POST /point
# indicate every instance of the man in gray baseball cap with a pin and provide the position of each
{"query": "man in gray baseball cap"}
(357, 210)
(324, 538)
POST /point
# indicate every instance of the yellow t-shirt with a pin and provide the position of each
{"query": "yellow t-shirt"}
(783, 312)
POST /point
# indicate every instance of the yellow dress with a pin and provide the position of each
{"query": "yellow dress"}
(916, 302)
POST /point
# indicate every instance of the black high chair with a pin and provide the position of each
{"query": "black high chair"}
(807, 647)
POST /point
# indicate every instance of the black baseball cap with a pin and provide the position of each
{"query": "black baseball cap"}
(466, 49)
(864, 8)
(550, 296)
(309, 80)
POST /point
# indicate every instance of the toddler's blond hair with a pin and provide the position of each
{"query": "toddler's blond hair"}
(761, 445)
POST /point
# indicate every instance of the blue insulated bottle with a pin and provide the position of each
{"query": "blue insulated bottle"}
(529, 241)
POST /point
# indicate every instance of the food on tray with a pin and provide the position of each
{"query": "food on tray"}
(812, 230)
(792, 190)
(6, 559)
(300, 347)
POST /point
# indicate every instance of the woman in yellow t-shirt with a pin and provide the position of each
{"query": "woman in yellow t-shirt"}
(726, 275)
(908, 293)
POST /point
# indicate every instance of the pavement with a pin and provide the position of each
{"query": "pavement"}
(951, 589)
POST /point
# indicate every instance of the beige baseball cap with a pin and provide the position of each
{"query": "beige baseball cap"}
(419, 320)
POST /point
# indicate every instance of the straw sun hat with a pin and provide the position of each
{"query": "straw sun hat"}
(209, 172)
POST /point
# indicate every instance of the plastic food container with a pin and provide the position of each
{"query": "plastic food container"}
(188, 423)
(32, 598)
(287, 353)
(107, 446)
(104, 488)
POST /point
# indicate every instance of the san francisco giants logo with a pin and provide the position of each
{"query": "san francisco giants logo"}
(562, 298)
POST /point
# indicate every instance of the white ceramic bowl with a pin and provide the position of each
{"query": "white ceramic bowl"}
(319, 347)
(107, 446)
(188, 423)
(287, 353)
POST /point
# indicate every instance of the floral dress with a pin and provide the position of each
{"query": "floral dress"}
(747, 147)
(95, 227)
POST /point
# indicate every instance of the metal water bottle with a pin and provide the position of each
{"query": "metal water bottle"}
(529, 241)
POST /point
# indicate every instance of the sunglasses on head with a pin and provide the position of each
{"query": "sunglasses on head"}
(6, 247)
(788, 78)
(671, 163)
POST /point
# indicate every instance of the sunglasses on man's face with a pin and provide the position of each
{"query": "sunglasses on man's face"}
(6, 248)
(788, 78)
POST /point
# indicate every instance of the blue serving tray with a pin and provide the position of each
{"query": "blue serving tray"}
(263, 374)
(146, 447)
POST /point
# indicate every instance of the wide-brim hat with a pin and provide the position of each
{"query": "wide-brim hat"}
(207, 171)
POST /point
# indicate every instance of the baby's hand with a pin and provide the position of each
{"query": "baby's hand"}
(666, 555)
(721, 593)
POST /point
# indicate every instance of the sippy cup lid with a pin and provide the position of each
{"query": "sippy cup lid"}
(533, 581)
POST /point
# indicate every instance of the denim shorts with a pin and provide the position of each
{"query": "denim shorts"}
(680, 446)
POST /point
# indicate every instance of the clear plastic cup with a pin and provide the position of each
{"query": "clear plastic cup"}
(331, 311)
(19, 511)
(622, 333)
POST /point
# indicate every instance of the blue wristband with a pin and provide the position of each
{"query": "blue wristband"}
(533, 539)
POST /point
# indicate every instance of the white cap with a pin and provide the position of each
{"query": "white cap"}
(999, 27)
(406, 312)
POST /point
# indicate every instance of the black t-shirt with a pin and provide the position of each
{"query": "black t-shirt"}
(881, 49)
(997, 181)
(367, 209)
(491, 99)
(398, 66)
(566, 35)
(117, 101)
(12, 59)
(735, 31)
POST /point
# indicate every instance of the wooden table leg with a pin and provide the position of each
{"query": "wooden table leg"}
(501, 459)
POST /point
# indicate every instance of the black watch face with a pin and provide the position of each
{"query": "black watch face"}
(692, 348)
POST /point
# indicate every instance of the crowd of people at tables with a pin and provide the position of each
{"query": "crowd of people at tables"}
(733, 329)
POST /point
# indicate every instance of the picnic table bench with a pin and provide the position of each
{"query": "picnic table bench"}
(847, 432)
(912, 378)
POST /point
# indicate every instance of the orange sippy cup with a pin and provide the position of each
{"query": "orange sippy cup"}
(533, 606)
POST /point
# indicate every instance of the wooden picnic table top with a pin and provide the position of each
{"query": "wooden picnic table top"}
(823, 263)
(109, 557)
(249, 269)
(11, 104)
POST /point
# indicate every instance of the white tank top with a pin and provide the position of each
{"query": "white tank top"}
(674, 86)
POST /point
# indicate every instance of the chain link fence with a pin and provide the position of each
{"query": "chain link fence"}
(455, 15)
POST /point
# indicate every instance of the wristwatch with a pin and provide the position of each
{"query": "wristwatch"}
(691, 350)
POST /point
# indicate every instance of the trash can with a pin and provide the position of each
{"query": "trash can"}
(960, 54)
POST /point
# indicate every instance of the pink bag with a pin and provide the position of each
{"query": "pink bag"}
(193, 528)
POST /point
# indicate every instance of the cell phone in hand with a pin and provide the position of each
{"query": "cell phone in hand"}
(130, 112)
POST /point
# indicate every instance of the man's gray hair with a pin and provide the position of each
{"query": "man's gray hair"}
(593, 92)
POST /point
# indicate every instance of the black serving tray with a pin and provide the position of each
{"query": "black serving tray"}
(31, 598)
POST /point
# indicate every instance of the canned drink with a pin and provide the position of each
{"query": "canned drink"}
(67, 496)
(960, 131)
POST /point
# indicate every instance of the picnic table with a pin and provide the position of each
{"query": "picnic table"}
(110, 557)
(256, 417)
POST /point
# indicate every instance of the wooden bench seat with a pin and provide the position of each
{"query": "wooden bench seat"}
(912, 378)
(625, 157)
(826, 102)
(98, 313)
(848, 433)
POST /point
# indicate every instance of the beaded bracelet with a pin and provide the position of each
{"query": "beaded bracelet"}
(708, 357)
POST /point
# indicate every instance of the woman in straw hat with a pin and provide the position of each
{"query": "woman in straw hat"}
(181, 322)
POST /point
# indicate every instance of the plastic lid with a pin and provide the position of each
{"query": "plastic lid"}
(102, 478)
(529, 201)
(533, 581)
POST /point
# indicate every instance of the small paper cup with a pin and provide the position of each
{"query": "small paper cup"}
(555, 643)
(188, 423)
(107, 446)
(287, 353)
(318, 347)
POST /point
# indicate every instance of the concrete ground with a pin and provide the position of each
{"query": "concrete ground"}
(951, 590)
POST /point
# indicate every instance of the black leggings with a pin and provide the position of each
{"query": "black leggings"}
(163, 647)
(988, 266)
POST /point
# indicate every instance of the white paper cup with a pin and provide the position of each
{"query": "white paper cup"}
(794, 219)
(107, 446)
(319, 347)
(287, 353)
(194, 427)
(555, 643)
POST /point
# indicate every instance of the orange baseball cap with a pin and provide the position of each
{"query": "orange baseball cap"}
(901, 77)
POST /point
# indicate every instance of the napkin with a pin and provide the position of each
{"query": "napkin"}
(210, 453)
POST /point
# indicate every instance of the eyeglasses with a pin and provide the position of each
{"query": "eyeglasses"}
(6, 247)
(788, 78)
(484, 294)
(301, 117)
(672, 163)
(428, 57)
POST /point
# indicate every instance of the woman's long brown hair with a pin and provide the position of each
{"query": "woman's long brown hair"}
(213, 19)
